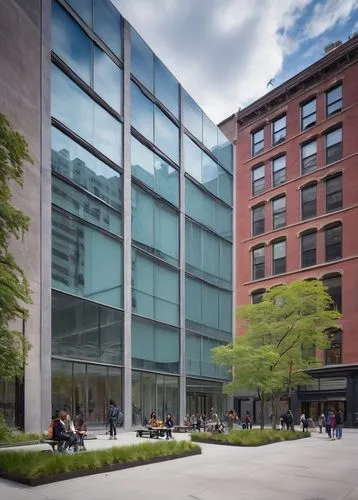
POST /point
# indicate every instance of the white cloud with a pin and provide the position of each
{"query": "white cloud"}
(327, 14)
(224, 52)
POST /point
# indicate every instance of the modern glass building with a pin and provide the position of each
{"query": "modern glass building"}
(142, 226)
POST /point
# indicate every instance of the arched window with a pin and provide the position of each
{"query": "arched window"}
(309, 201)
(333, 283)
(309, 248)
(256, 296)
(333, 241)
(258, 263)
(278, 256)
(333, 354)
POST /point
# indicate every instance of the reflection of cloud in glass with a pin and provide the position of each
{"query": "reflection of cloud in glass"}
(73, 107)
(166, 135)
(107, 79)
(71, 43)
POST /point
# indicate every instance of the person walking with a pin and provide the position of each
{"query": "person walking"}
(112, 419)
(328, 423)
(333, 425)
(230, 420)
(289, 421)
(339, 424)
(248, 420)
(169, 424)
(321, 422)
(302, 421)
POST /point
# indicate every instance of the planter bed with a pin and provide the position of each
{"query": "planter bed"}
(19, 443)
(36, 468)
(247, 438)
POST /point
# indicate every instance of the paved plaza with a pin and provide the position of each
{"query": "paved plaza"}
(310, 469)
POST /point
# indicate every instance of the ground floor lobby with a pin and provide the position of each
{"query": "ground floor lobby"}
(90, 387)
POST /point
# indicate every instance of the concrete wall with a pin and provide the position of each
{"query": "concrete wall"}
(25, 100)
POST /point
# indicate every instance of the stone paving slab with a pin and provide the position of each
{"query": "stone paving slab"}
(309, 469)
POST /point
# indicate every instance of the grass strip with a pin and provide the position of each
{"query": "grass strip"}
(248, 438)
(31, 465)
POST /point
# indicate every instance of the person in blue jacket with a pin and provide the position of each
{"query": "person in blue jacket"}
(329, 423)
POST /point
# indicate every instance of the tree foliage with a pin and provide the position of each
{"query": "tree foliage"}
(282, 337)
(14, 288)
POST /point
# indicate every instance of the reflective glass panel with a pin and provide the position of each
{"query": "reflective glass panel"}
(85, 206)
(74, 162)
(85, 330)
(83, 9)
(85, 262)
(155, 289)
(193, 116)
(142, 113)
(108, 25)
(107, 79)
(70, 43)
(201, 207)
(210, 134)
(154, 172)
(154, 346)
(166, 87)
(155, 226)
(96, 125)
(166, 135)
(225, 151)
(142, 61)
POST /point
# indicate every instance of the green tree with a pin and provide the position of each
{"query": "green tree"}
(282, 337)
(14, 288)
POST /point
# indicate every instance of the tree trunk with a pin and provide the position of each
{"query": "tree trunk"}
(262, 412)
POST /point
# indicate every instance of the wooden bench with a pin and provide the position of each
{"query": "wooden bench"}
(54, 444)
(155, 432)
(183, 428)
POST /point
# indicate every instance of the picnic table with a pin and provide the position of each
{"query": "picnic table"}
(151, 432)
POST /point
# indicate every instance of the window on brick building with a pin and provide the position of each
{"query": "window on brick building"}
(279, 130)
(308, 157)
(279, 170)
(334, 145)
(308, 249)
(334, 198)
(309, 201)
(279, 212)
(258, 220)
(257, 142)
(334, 101)
(308, 114)
(258, 263)
(258, 180)
(333, 355)
(256, 296)
(333, 283)
(333, 242)
(279, 257)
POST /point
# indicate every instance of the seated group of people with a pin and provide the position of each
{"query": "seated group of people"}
(70, 435)
(156, 423)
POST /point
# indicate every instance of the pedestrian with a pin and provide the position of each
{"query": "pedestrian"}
(321, 422)
(302, 421)
(113, 413)
(333, 425)
(230, 420)
(169, 424)
(289, 421)
(339, 424)
(328, 424)
(248, 420)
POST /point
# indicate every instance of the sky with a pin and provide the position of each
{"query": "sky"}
(224, 52)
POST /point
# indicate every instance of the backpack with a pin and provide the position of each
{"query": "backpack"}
(50, 430)
(114, 413)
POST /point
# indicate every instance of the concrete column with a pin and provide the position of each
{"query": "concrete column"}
(127, 220)
(182, 389)
(45, 211)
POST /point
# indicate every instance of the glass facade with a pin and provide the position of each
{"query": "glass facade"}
(90, 160)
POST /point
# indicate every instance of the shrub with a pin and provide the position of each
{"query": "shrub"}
(248, 438)
(9, 436)
(32, 465)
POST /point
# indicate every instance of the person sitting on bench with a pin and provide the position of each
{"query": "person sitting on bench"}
(66, 439)
(155, 422)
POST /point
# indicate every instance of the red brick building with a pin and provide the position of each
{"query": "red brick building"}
(297, 205)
